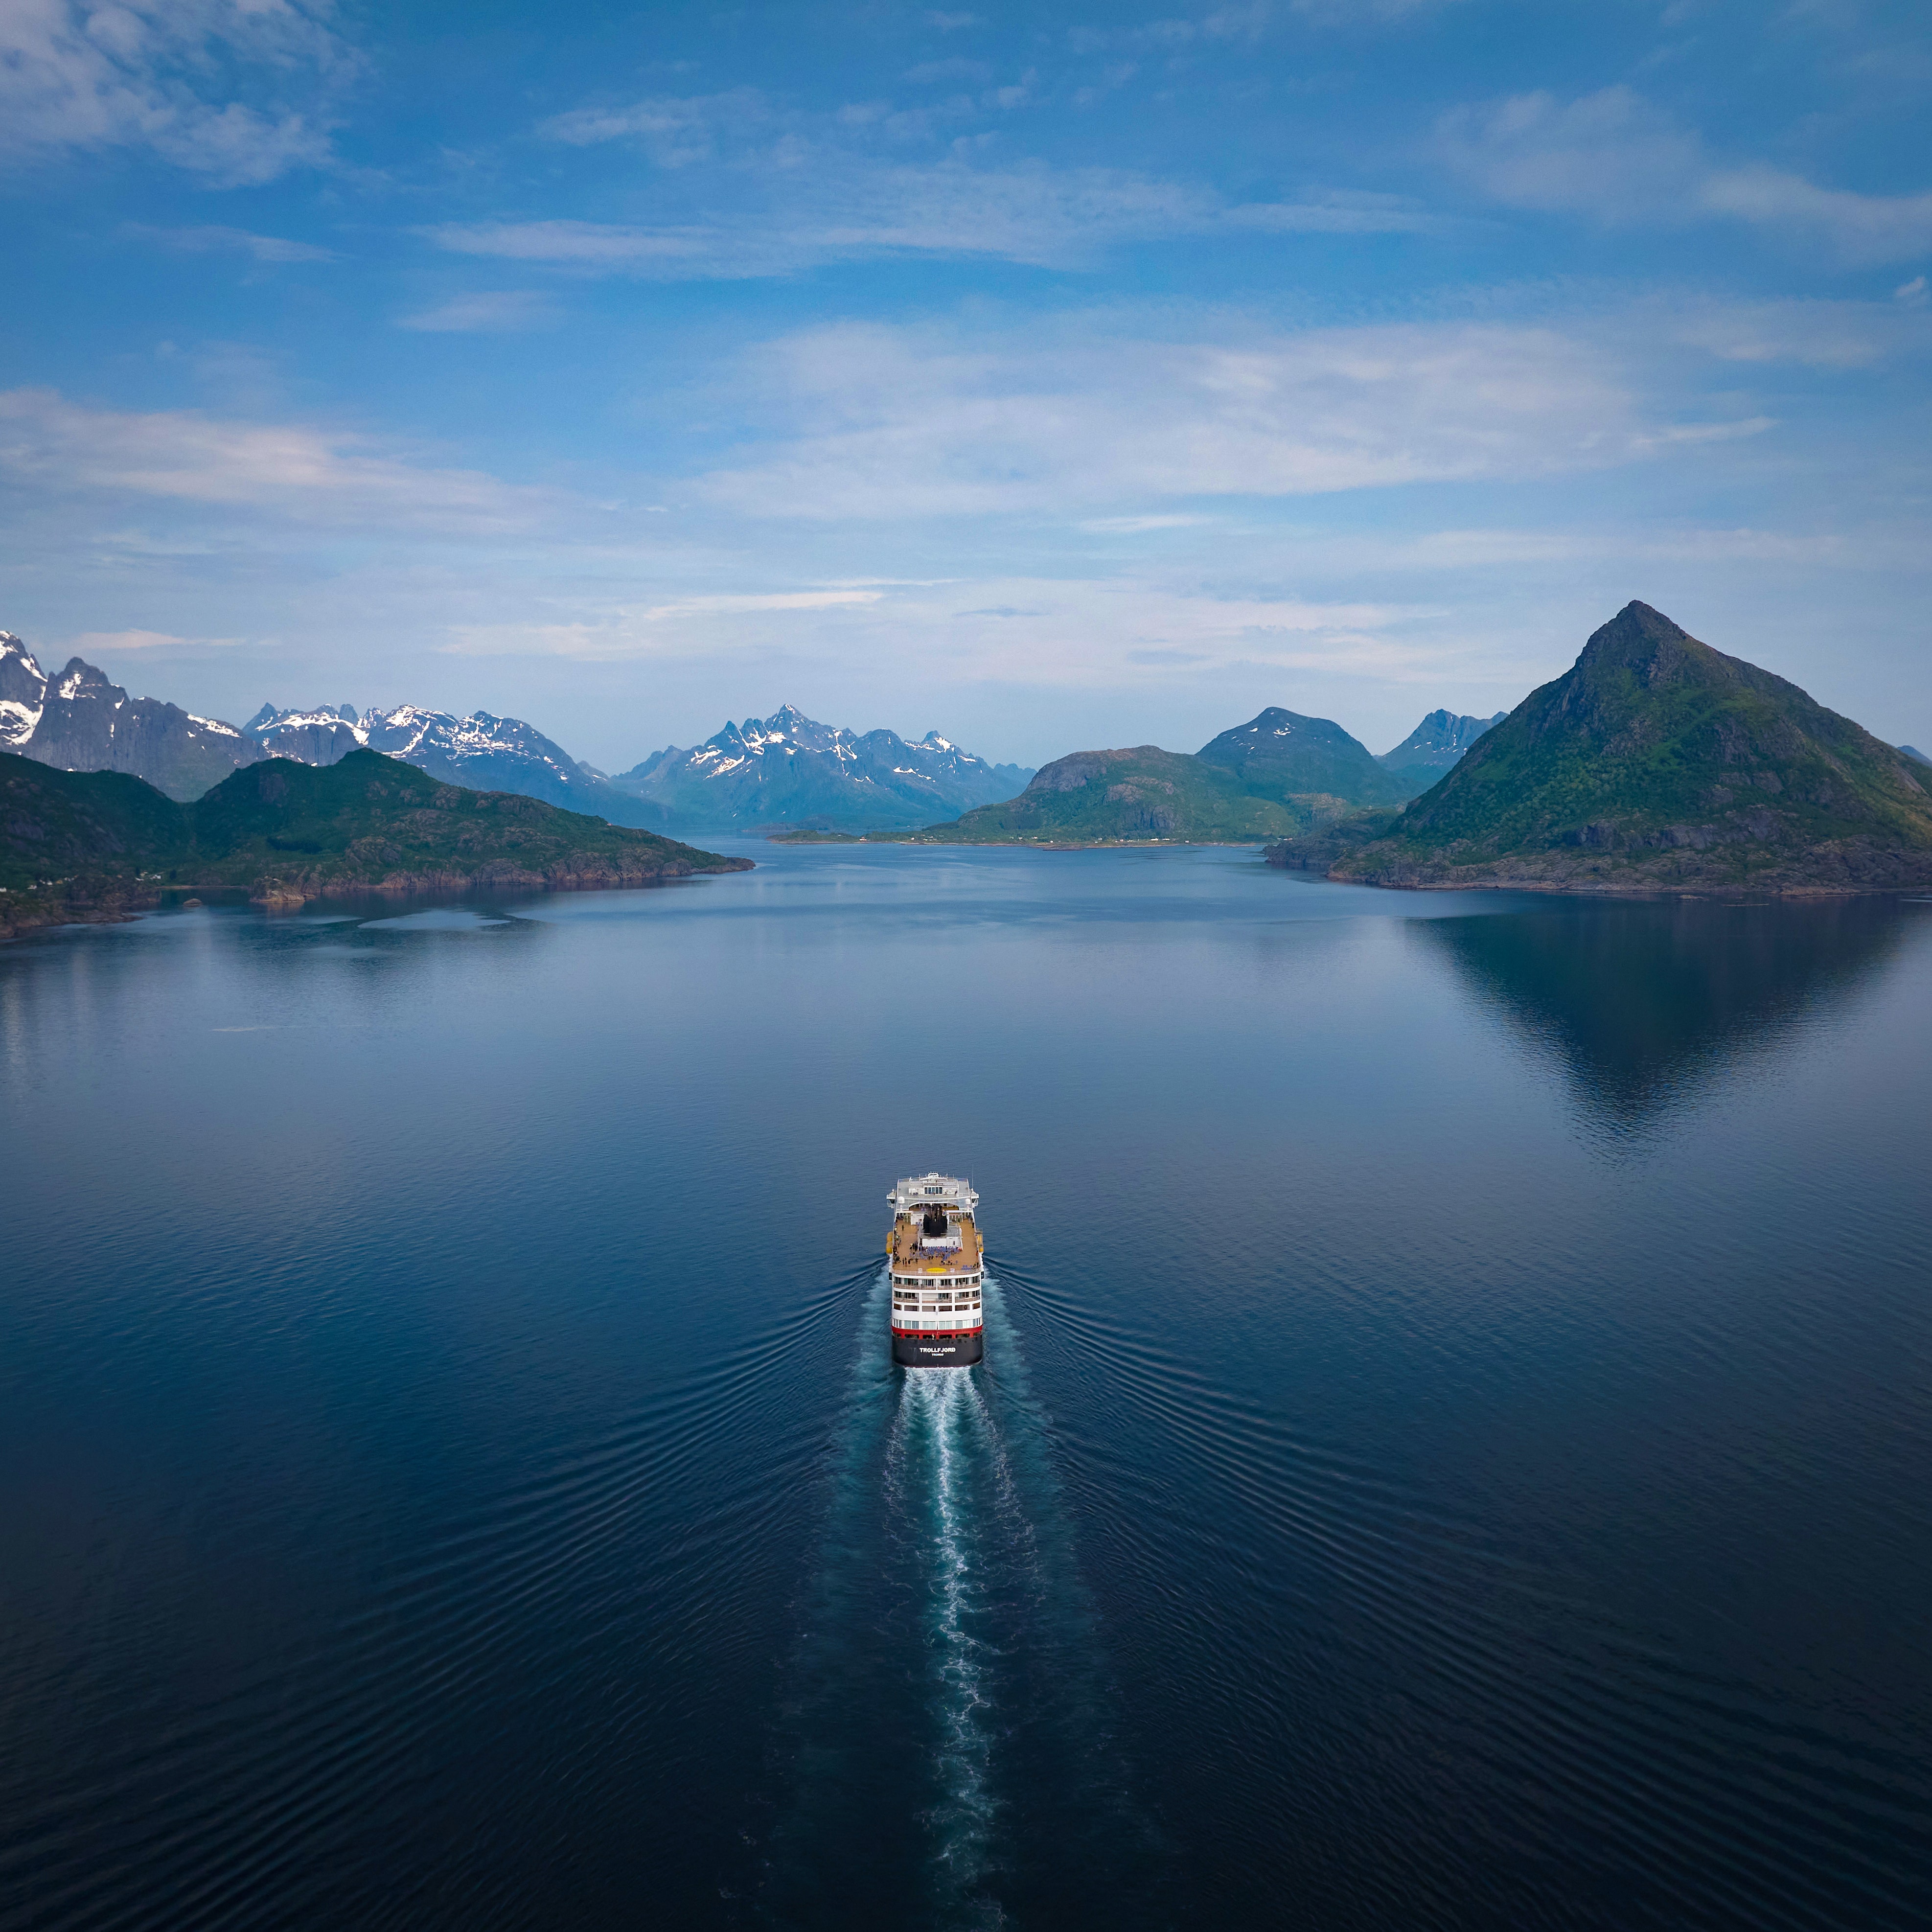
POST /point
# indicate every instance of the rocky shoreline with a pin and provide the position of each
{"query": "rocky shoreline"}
(285, 891)
(1908, 872)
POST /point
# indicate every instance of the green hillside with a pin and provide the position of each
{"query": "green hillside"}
(1278, 775)
(92, 843)
(1106, 797)
(56, 824)
(1657, 761)
(1282, 754)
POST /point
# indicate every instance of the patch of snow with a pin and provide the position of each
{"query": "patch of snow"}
(214, 724)
(17, 720)
(10, 646)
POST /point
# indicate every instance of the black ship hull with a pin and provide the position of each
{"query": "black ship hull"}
(913, 1350)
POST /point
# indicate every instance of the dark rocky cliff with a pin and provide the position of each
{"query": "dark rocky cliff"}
(82, 722)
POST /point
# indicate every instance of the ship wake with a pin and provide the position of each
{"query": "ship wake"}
(951, 1711)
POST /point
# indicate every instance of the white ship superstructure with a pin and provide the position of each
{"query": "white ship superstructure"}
(937, 1264)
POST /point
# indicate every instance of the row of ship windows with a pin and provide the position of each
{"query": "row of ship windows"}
(935, 1281)
(966, 1300)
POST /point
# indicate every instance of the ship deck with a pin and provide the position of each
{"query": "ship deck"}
(908, 1256)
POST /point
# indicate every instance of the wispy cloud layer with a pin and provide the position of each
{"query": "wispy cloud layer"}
(328, 479)
(1043, 217)
(487, 312)
(894, 423)
(150, 73)
(206, 240)
(1208, 351)
(1615, 156)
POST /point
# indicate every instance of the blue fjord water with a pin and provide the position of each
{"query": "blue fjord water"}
(1454, 1448)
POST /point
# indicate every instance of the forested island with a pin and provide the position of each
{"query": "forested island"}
(93, 845)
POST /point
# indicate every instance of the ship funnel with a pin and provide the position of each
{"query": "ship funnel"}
(934, 1224)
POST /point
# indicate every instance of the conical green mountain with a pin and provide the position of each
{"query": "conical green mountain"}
(1280, 754)
(1655, 762)
(1102, 797)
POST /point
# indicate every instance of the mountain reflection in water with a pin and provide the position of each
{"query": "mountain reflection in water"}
(1641, 1003)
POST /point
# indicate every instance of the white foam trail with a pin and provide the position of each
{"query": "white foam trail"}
(947, 1408)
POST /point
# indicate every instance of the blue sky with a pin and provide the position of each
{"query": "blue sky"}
(1058, 376)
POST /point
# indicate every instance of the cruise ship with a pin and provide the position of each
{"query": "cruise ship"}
(936, 1262)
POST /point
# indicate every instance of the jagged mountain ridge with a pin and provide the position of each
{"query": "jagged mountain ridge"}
(82, 722)
(316, 737)
(482, 751)
(1657, 762)
(791, 769)
(1436, 745)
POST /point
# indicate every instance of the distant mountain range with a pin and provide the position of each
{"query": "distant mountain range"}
(784, 770)
(1620, 771)
(80, 721)
(789, 769)
(1279, 774)
(483, 751)
(1655, 762)
(1435, 746)
(82, 845)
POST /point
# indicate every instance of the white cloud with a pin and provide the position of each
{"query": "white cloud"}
(1023, 631)
(1821, 334)
(491, 312)
(674, 131)
(1043, 217)
(625, 632)
(889, 423)
(94, 643)
(332, 478)
(1912, 293)
(143, 73)
(205, 240)
(1860, 227)
(1677, 435)
(597, 248)
(1609, 154)
(1615, 156)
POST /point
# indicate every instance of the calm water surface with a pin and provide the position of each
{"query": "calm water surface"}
(1455, 1446)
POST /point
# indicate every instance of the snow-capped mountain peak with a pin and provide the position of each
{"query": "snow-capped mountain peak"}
(82, 720)
(23, 692)
(482, 752)
(789, 768)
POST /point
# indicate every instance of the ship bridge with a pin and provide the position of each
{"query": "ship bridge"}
(922, 1191)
